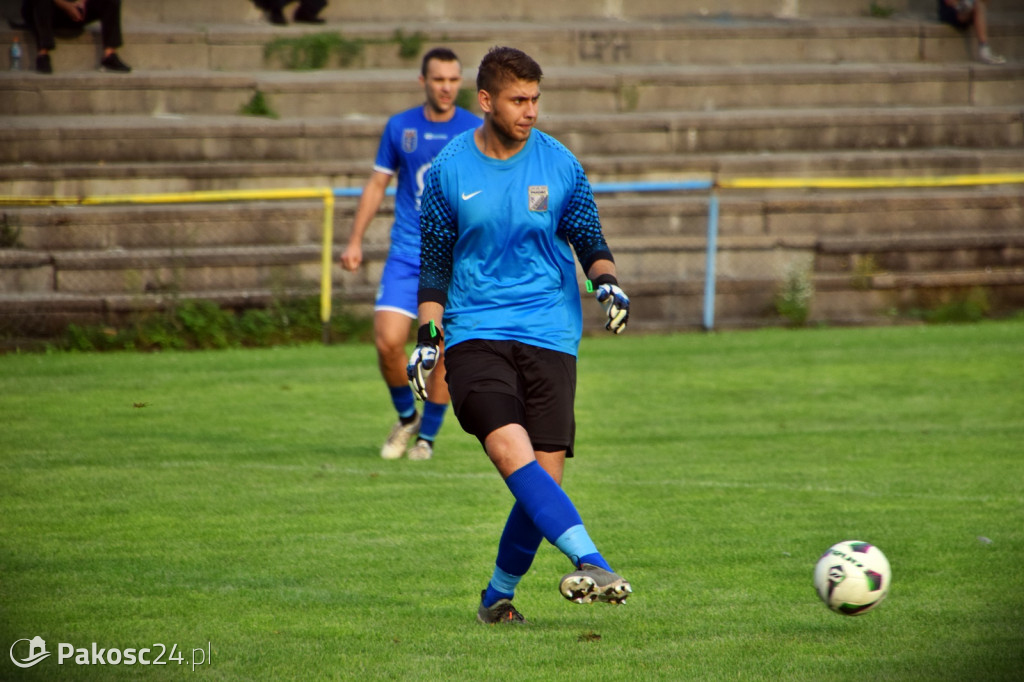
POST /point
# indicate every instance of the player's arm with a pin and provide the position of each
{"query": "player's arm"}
(582, 227)
(601, 266)
(369, 203)
(74, 9)
(429, 345)
(608, 293)
(437, 243)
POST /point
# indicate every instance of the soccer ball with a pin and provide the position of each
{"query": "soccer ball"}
(852, 577)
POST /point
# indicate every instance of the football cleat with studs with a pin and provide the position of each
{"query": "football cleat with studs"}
(399, 437)
(500, 613)
(591, 583)
(421, 451)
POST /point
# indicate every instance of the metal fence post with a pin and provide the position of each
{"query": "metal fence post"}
(709, 270)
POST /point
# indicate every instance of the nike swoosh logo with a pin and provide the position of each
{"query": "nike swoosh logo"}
(467, 197)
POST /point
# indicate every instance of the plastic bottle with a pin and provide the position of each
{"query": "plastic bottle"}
(16, 54)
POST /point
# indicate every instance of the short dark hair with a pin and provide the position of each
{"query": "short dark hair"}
(442, 54)
(503, 64)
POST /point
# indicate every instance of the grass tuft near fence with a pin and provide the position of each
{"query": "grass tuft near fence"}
(233, 501)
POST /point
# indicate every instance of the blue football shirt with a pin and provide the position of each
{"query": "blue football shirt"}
(408, 145)
(498, 241)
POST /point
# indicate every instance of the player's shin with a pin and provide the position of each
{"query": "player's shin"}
(516, 550)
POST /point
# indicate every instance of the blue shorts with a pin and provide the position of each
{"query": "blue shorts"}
(399, 285)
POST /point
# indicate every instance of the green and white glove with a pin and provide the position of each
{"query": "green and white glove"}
(614, 301)
(424, 358)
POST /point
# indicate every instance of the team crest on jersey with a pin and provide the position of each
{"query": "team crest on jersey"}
(409, 140)
(538, 197)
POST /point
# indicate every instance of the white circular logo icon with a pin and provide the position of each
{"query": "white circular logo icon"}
(36, 652)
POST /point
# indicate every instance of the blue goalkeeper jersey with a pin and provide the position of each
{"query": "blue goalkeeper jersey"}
(498, 241)
(408, 145)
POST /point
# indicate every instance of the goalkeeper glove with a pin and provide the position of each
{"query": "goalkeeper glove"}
(424, 358)
(614, 301)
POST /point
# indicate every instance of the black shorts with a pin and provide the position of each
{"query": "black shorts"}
(494, 383)
(948, 15)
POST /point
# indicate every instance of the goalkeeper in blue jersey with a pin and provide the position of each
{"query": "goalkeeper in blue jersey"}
(409, 143)
(504, 208)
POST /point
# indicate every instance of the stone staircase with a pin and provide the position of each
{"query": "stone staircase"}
(664, 90)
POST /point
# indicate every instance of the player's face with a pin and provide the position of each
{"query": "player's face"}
(513, 111)
(441, 85)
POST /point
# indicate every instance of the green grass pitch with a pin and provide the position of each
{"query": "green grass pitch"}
(234, 501)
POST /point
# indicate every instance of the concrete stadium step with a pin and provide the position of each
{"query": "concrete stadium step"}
(779, 214)
(449, 10)
(180, 271)
(202, 12)
(882, 212)
(595, 89)
(120, 139)
(879, 163)
(879, 256)
(103, 229)
(27, 318)
(790, 130)
(793, 215)
(104, 179)
(656, 305)
(676, 39)
(82, 286)
(841, 300)
(677, 258)
(139, 250)
(757, 238)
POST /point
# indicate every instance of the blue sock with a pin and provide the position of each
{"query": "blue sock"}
(552, 512)
(502, 586)
(518, 546)
(433, 416)
(595, 559)
(403, 400)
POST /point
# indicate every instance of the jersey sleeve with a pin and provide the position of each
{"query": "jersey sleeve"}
(386, 160)
(580, 223)
(438, 233)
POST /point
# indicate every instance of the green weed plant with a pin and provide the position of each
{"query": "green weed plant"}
(10, 232)
(200, 324)
(795, 295)
(258, 105)
(315, 50)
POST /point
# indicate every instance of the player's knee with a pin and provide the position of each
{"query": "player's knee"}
(387, 349)
(480, 414)
(389, 345)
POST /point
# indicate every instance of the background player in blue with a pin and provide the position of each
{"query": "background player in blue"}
(410, 141)
(503, 210)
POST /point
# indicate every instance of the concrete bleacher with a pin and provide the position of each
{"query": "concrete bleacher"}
(640, 91)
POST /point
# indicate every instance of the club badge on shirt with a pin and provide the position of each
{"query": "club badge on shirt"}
(409, 140)
(538, 198)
